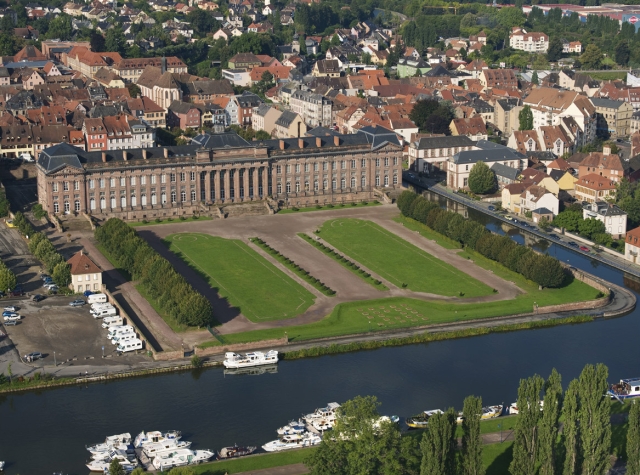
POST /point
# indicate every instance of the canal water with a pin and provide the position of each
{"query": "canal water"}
(46, 431)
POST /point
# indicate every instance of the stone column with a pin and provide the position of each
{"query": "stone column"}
(236, 184)
(215, 176)
(227, 184)
(246, 184)
(255, 182)
(207, 186)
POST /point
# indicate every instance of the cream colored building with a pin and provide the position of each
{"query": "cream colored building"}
(85, 274)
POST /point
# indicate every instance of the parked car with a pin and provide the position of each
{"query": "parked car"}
(10, 308)
(45, 276)
(77, 303)
(572, 244)
(53, 289)
(48, 286)
(11, 323)
(515, 221)
(36, 355)
(491, 208)
(16, 293)
(38, 298)
(553, 236)
(508, 218)
(7, 313)
(87, 293)
(584, 248)
(13, 317)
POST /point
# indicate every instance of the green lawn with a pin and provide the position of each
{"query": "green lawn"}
(398, 261)
(248, 281)
(327, 208)
(255, 462)
(170, 221)
(427, 232)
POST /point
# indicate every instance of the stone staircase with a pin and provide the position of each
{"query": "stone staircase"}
(256, 208)
(75, 223)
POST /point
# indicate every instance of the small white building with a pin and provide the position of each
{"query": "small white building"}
(632, 245)
(536, 197)
(614, 219)
(238, 77)
(85, 274)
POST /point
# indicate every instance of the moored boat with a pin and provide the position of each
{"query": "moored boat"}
(235, 451)
(625, 389)
(255, 358)
(155, 448)
(110, 442)
(180, 458)
(513, 408)
(252, 370)
(144, 438)
(102, 465)
(323, 413)
(287, 442)
(293, 427)
(1, 465)
(420, 421)
(490, 412)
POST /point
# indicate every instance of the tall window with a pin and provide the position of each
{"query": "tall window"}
(123, 181)
(163, 197)
(76, 185)
(386, 162)
(315, 167)
(67, 207)
(101, 182)
(377, 180)
(363, 181)
(278, 169)
(334, 184)
(183, 196)
(363, 163)
(55, 187)
(172, 177)
(377, 162)
(193, 176)
(193, 194)
(306, 168)
(343, 183)
(343, 164)
(92, 203)
(112, 182)
(386, 180)
(113, 201)
(334, 165)
(143, 180)
(279, 188)
(353, 182)
(353, 163)
(143, 199)
(183, 176)
(395, 179)
(133, 181)
(56, 207)
(315, 185)
(297, 186)
(173, 196)
(123, 201)
(65, 186)
(297, 168)
(134, 200)
(153, 179)
(154, 199)
(325, 166)
(288, 187)
(77, 205)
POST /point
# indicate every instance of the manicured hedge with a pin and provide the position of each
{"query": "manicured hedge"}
(174, 294)
(541, 269)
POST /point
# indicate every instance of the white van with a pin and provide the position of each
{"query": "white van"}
(130, 345)
(118, 339)
(106, 312)
(124, 329)
(113, 321)
(96, 306)
(97, 298)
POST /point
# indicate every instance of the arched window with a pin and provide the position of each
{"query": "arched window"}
(288, 187)
(143, 199)
(377, 180)
(353, 182)
(154, 199)
(56, 207)
(306, 186)
(76, 205)
(134, 200)
(297, 186)
(163, 198)
(193, 195)
(334, 184)
(343, 183)
(173, 196)
(395, 179)
(386, 180)
(123, 201)
(279, 188)
(92, 204)
(363, 181)
(103, 202)
(325, 184)
(315, 185)
(183, 196)
(67, 207)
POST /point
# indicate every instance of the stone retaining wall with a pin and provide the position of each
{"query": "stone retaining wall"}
(217, 350)
(127, 321)
(168, 355)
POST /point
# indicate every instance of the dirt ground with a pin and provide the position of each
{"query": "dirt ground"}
(71, 332)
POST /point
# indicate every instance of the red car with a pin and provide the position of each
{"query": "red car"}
(584, 248)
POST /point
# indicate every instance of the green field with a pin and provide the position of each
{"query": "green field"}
(239, 274)
(255, 462)
(153, 222)
(398, 261)
(328, 208)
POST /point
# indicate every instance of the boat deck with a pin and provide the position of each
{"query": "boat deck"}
(145, 461)
(312, 429)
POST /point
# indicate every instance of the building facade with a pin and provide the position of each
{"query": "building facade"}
(218, 170)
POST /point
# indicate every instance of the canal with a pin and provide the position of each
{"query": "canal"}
(46, 431)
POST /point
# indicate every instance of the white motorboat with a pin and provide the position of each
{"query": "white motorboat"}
(625, 389)
(123, 449)
(180, 458)
(102, 465)
(287, 442)
(155, 448)
(144, 438)
(513, 408)
(110, 442)
(324, 413)
(293, 427)
(490, 412)
(421, 420)
(323, 424)
(255, 358)
(1, 465)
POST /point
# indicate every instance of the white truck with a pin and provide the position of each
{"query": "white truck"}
(105, 312)
(130, 345)
(96, 298)
(113, 321)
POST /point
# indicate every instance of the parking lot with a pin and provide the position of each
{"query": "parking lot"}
(71, 332)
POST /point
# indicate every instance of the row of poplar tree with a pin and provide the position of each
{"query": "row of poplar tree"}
(173, 293)
(564, 433)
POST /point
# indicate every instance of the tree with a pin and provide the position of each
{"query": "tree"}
(134, 90)
(534, 79)
(525, 446)
(570, 432)
(510, 17)
(8, 44)
(439, 444)
(592, 57)
(202, 21)
(590, 227)
(61, 27)
(62, 274)
(554, 53)
(262, 135)
(97, 42)
(7, 279)
(471, 463)
(115, 468)
(482, 180)
(544, 223)
(595, 420)
(182, 471)
(432, 116)
(548, 424)
(115, 40)
(633, 440)
(525, 116)
(568, 219)
(622, 53)
(404, 202)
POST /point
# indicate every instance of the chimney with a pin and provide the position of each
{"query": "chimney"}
(318, 142)
(281, 144)
(300, 143)
(163, 63)
(144, 153)
(606, 150)
(336, 140)
(124, 155)
(80, 251)
(104, 157)
(166, 153)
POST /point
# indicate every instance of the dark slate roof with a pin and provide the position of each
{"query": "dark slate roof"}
(447, 141)
(542, 155)
(227, 140)
(286, 118)
(607, 103)
(321, 132)
(59, 156)
(490, 152)
(379, 136)
(504, 171)
(542, 211)
(556, 174)
(438, 71)
(603, 208)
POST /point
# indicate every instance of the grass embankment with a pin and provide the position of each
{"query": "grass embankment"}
(608, 76)
(295, 268)
(256, 462)
(38, 380)
(398, 261)
(170, 221)
(344, 262)
(329, 207)
(249, 282)
(427, 232)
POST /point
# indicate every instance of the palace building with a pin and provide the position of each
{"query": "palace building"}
(216, 170)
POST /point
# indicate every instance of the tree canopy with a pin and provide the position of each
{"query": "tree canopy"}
(482, 180)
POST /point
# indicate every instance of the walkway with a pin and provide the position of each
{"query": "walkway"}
(295, 469)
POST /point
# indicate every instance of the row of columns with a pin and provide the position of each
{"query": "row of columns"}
(219, 183)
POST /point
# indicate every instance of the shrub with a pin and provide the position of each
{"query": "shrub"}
(365, 203)
(354, 204)
(182, 218)
(158, 220)
(169, 219)
(144, 221)
(196, 361)
(318, 207)
(330, 205)
(196, 216)
(295, 209)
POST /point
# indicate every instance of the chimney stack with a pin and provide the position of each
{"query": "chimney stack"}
(124, 155)
(104, 157)
(300, 143)
(144, 153)
(166, 153)
(281, 144)
(318, 142)
(336, 140)
(164, 65)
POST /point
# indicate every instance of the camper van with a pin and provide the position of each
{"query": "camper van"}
(96, 306)
(113, 321)
(130, 345)
(118, 339)
(120, 331)
(96, 298)
(106, 312)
